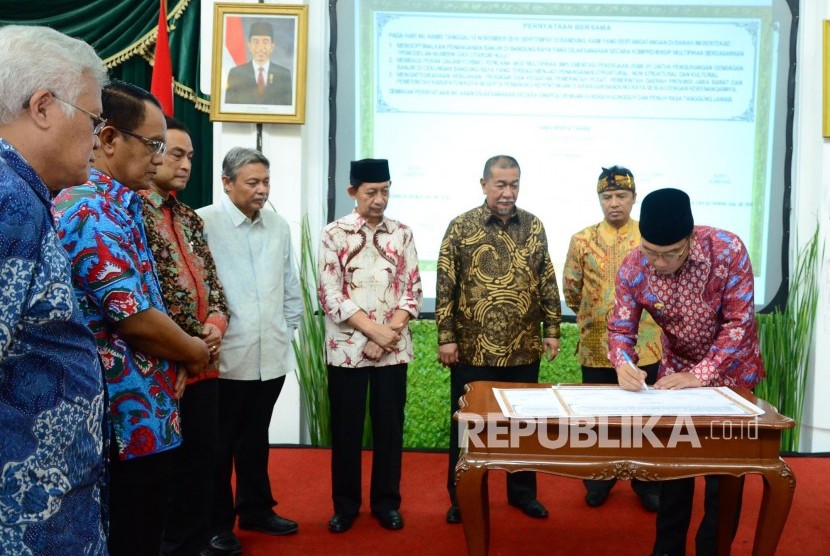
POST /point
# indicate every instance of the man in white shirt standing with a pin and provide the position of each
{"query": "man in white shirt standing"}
(252, 250)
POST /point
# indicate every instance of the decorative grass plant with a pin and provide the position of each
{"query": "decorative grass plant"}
(309, 348)
(786, 342)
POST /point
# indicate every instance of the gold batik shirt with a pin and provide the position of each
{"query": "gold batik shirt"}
(496, 288)
(594, 257)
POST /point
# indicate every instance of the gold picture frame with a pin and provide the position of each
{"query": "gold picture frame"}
(259, 63)
(826, 97)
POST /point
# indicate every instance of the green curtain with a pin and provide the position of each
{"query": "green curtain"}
(123, 32)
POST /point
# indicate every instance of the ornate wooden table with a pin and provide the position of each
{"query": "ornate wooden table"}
(728, 446)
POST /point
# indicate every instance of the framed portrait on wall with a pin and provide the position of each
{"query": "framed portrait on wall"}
(259, 63)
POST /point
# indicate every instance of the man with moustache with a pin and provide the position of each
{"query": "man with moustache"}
(260, 81)
(369, 288)
(194, 299)
(496, 287)
(101, 226)
(252, 249)
(697, 283)
(594, 256)
(52, 401)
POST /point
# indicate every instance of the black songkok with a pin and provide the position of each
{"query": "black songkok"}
(261, 29)
(666, 217)
(369, 170)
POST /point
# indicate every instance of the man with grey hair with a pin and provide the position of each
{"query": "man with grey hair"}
(252, 250)
(52, 402)
(143, 352)
(496, 286)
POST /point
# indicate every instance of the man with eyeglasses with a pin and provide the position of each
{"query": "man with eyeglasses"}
(52, 402)
(196, 301)
(697, 283)
(594, 256)
(101, 226)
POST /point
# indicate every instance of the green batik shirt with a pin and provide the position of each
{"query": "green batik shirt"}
(496, 287)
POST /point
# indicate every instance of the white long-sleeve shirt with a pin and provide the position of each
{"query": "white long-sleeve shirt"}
(256, 267)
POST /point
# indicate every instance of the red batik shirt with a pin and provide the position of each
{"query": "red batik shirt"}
(189, 284)
(706, 311)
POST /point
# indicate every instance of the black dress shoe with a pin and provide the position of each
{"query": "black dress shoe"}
(340, 523)
(390, 519)
(454, 515)
(225, 543)
(534, 508)
(210, 551)
(596, 498)
(273, 525)
(651, 502)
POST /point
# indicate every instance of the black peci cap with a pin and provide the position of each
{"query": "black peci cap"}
(666, 216)
(369, 170)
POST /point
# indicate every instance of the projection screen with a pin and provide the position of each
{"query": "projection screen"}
(687, 94)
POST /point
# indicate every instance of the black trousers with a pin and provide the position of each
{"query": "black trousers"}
(187, 525)
(347, 401)
(521, 486)
(137, 498)
(245, 408)
(607, 375)
(675, 515)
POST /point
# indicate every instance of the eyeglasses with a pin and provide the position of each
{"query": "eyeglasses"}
(98, 123)
(668, 256)
(155, 146)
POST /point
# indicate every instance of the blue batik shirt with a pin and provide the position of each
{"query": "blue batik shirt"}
(51, 385)
(101, 226)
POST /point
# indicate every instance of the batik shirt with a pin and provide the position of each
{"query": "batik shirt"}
(101, 226)
(51, 384)
(374, 270)
(705, 309)
(185, 268)
(496, 288)
(594, 256)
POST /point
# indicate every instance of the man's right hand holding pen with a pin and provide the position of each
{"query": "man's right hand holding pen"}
(631, 377)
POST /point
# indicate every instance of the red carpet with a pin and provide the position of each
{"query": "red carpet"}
(301, 483)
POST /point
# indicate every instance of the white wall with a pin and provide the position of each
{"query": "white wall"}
(300, 161)
(811, 205)
(299, 169)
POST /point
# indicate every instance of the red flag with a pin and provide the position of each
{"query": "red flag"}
(162, 83)
(235, 40)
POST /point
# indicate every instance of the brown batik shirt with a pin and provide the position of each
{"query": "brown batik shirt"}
(496, 287)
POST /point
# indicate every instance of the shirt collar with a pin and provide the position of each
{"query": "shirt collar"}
(488, 216)
(155, 200)
(237, 216)
(23, 169)
(696, 252)
(357, 222)
(116, 190)
(625, 229)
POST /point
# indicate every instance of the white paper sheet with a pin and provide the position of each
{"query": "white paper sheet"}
(583, 401)
(612, 400)
(529, 403)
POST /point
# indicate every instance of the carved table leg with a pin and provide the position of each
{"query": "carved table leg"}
(474, 503)
(779, 484)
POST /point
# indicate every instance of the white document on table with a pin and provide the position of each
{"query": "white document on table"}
(613, 400)
(529, 403)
